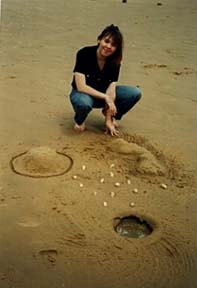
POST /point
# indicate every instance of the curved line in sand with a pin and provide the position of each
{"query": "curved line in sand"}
(41, 176)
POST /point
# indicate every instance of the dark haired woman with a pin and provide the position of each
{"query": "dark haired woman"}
(95, 79)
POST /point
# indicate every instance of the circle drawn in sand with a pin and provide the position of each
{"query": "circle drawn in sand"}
(41, 162)
(133, 227)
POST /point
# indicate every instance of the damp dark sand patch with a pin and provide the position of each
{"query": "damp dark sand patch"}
(41, 162)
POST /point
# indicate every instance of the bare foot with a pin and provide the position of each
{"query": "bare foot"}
(79, 128)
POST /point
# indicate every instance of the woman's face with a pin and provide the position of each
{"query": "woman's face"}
(106, 46)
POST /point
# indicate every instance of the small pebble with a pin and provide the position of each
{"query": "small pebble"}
(83, 167)
(111, 174)
(164, 186)
(105, 204)
(135, 190)
(132, 204)
(102, 180)
(117, 184)
(129, 182)
(81, 185)
(112, 194)
(95, 193)
(74, 176)
(112, 165)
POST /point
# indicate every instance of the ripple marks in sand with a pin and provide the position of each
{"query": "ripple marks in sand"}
(178, 253)
(165, 262)
(66, 231)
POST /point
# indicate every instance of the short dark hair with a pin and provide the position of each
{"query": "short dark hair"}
(114, 32)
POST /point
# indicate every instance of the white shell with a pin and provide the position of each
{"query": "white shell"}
(112, 165)
(132, 204)
(83, 167)
(164, 186)
(111, 174)
(129, 182)
(112, 194)
(102, 180)
(74, 176)
(135, 190)
(117, 184)
(105, 204)
(81, 185)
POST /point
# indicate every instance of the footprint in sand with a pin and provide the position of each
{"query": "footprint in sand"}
(49, 256)
(27, 222)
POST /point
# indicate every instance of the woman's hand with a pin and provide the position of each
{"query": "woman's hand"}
(109, 124)
(111, 129)
(111, 105)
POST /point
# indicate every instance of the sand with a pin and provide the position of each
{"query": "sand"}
(41, 162)
(59, 230)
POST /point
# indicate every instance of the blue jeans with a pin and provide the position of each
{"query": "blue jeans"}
(126, 98)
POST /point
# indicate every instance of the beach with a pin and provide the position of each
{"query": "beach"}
(58, 226)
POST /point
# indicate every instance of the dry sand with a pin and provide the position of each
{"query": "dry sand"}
(59, 231)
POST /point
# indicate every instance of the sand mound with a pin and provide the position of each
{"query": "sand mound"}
(41, 162)
(146, 162)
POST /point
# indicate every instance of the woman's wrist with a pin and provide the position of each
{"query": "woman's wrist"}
(105, 97)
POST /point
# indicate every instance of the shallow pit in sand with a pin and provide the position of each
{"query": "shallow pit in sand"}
(41, 162)
(133, 227)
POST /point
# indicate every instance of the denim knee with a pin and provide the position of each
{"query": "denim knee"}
(138, 94)
(134, 93)
(83, 106)
(81, 101)
(126, 98)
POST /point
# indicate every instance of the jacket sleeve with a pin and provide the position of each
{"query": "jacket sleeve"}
(80, 62)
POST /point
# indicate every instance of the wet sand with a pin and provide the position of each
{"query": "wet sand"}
(59, 231)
